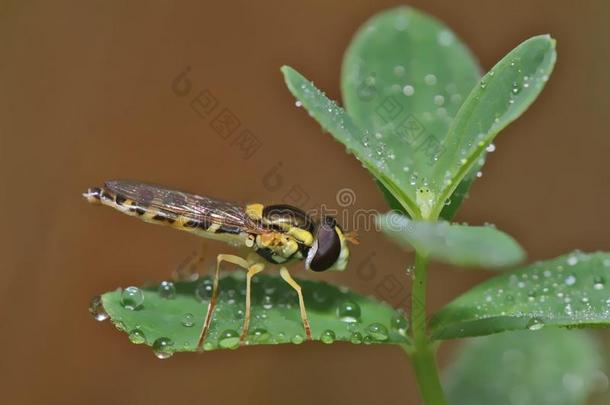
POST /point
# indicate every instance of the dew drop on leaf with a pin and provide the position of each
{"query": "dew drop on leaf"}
(136, 336)
(348, 311)
(188, 320)
(163, 348)
(535, 323)
(167, 290)
(378, 332)
(297, 339)
(228, 339)
(356, 338)
(96, 309)
(599, 282)
(328, 336)
(132, 298)
(259, 335)
(204, 290)
(408, 90)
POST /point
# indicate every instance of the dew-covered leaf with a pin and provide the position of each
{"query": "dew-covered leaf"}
(460, 245)
(550, 367)
(502, 95)
(172, 315)
(569, 291)
(404, 77)
(357, 141)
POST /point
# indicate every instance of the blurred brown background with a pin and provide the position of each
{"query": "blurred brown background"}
(86, 96)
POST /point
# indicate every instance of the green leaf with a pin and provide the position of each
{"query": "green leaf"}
(554, 367)
(335, 314)
(404, 78)
(569, 291)
(503, 94)
(460, 245)
(357, 141)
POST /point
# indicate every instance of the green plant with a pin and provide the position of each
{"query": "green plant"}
(419, 116)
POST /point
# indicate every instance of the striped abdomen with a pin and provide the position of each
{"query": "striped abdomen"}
(149, 210)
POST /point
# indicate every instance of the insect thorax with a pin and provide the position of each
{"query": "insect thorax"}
(290, 232)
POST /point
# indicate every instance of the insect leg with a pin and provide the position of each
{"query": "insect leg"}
(287, 278)
(212, 304)
(254, 269)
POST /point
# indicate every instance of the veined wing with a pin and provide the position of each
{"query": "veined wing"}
(230, 216)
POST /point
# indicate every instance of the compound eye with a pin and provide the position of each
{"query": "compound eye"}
(326, 248)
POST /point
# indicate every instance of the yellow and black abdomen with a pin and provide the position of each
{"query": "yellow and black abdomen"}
(152, 211)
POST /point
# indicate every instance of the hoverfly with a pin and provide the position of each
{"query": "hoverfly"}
(276, 234)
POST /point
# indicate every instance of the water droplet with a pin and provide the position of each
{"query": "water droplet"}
(572, 260)
(137, 337)
(535, 323)
(479, 174)
(483, 83)
(448, 201)
(356, 338)
(598, 282)
(132, 298)
(378, 332)
(328, 336)
(298, 103)
(490, 148)
(204, 290)
(267, 302)
(188, 320)
(96, 309)
(439, 100)
(516, 88)
(368, 339)
(167, 290)
(570, 280)
(348, 311)
(399, 70)
(408, 90)
(259, 335)
(163, 348)
(228, 339)
(430, 79)
(297, 339)
(445, 38)
(400, 324)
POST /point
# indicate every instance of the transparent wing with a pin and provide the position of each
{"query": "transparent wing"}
(192, 206)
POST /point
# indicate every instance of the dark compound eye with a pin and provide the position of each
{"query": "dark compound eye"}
(326, 248)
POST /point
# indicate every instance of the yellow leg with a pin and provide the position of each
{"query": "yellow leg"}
(212, 304)
(287, 278)
(254, 269)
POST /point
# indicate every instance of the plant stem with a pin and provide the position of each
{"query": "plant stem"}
(422, 355)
